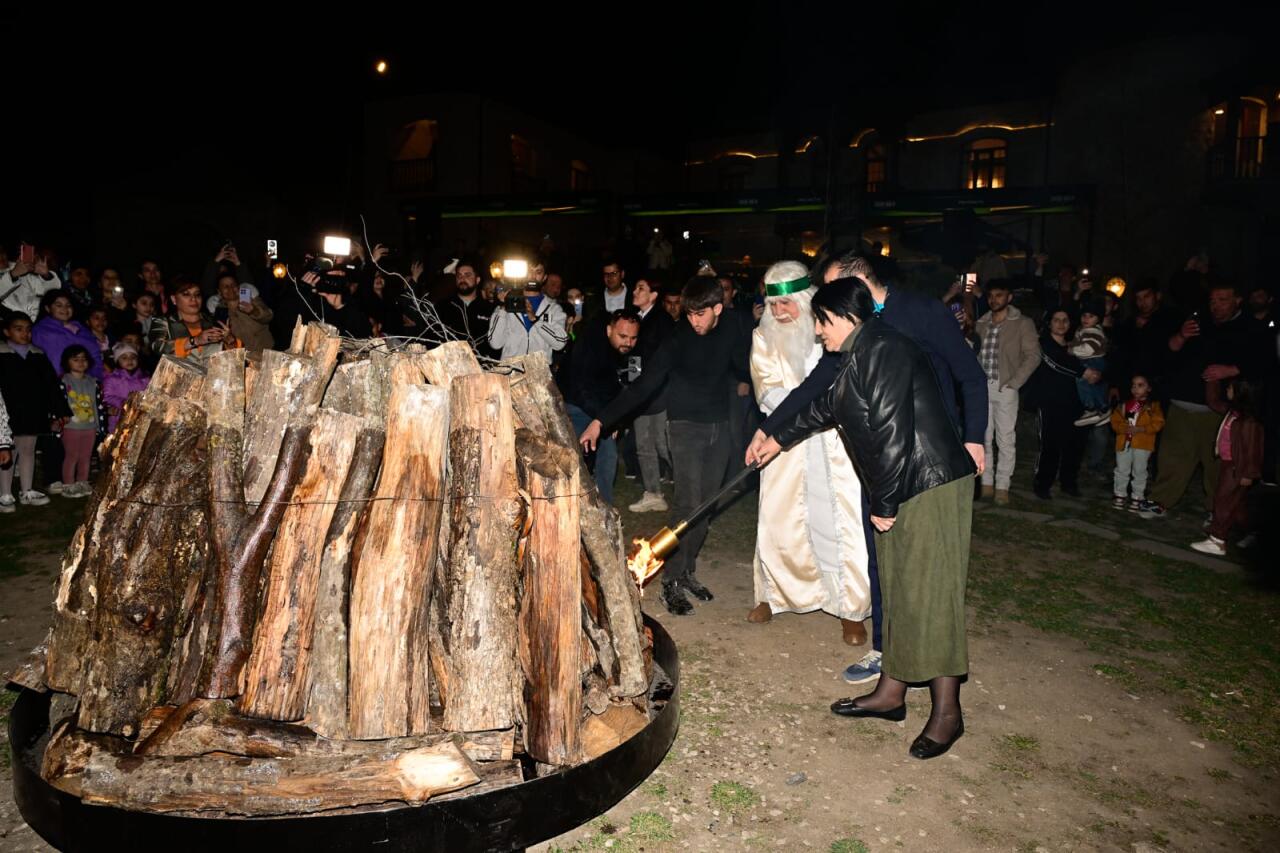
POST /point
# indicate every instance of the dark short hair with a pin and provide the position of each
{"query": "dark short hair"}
(609, 261)
(1147, 283)
(846, 297)
(14, 316)
(52, 296)
(999, 284)
(701, 292)
(654, 280)
(180, 283)
(468, 262)
(1226, 285)
(70, 353)
(631, 315)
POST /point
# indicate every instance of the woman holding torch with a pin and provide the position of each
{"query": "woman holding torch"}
(888, 408)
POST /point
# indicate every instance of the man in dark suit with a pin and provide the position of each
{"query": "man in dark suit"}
(615, 296)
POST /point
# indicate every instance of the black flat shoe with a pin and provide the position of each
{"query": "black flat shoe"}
(847, 708)
(925, 748)
(697, 590)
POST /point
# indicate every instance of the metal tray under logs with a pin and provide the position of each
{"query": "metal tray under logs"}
(508, 819)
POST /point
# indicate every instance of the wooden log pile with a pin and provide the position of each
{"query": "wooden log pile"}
(339, 576)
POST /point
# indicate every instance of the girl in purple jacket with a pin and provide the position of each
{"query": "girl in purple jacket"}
(56, 330)
(121, 382)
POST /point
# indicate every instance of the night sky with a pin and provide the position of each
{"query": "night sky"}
(283, 101)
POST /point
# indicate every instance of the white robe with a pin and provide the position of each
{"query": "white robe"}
(811, 550)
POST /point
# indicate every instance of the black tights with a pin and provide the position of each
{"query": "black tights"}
(944, 692)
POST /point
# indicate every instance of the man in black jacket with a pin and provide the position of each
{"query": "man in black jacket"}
(591, 380)
(696, 364)
(462, 312)
(615, 296)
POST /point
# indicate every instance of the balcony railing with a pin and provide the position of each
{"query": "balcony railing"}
(412, 175)
(1241, 160)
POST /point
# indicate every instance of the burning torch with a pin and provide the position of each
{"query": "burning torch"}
(649, 554)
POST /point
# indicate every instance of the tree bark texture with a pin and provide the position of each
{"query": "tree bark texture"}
(486, 515)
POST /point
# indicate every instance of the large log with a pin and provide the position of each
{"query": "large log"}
(275, 676)
(68, 751)
(364, 387)
(210, 725)
(152, 539)
(551, 604)
(74, 601)
(486, 515)
(541, 409)
(236, 785)
(242, 538)
(388, 692)
(447, 362)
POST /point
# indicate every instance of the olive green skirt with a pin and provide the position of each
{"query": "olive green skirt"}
(924, 562)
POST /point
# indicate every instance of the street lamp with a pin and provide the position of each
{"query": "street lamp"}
(380, 66)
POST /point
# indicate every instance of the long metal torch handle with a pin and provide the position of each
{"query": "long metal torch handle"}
(710, 503)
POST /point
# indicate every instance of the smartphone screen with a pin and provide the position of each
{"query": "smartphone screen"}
(27, 254)
(271, 249)
(970, 281)
(246, 295)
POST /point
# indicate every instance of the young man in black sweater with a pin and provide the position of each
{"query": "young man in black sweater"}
(695, 364)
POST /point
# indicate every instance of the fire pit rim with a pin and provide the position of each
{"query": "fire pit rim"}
(505, 819)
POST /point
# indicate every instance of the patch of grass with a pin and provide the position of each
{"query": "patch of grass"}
(1172, 623)
(1021, 743)
(650, 827)
(733, 797)
(900, 793)
(849, 845)
(656, 789)
(1219, 774)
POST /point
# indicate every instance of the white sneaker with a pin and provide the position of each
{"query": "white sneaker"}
(1092, 417)
(650, 502)
(55, 488)
(76, 490)
(33, 498)
(6, 503)
(1212, 545)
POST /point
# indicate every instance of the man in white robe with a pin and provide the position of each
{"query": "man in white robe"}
(811, 549)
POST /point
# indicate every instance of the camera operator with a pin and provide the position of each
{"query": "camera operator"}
(528, 322)
(329, 297)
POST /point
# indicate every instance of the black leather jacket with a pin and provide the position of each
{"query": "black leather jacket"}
(888, 407)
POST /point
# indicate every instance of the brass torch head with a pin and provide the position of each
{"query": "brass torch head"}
(663, 543)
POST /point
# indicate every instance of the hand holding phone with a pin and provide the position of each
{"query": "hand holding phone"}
(970, 281)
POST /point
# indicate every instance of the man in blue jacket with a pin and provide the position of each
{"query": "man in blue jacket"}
(932, 326)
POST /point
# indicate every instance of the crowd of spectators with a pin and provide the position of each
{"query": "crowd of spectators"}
(1171, 378)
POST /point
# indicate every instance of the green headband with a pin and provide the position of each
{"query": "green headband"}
(786, 288)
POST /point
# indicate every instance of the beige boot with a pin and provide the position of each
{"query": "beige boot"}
(760, 613)
(988, 491)
(1002, 497)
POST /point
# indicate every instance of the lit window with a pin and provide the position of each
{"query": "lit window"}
(986, 164)
(877, 168)
(413, 156)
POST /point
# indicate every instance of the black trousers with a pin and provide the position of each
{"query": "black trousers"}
(1061, 446)
(699, 453)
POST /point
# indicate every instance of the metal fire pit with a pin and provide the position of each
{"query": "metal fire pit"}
(509, 819)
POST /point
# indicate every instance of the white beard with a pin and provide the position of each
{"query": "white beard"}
(795, 342)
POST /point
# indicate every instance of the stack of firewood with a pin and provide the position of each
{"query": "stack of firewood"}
(336, 576)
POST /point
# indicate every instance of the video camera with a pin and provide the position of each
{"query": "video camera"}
(333, 275)
(514, 300)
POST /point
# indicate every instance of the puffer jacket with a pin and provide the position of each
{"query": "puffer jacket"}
(889, 410)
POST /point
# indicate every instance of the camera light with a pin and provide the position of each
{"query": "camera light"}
(381, 66)
(337, 246)
(685, 235)
(1085, 272)
(514, 269)
(279, 270)
(495, 269)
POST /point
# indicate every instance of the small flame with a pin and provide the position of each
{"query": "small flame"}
(642, 563)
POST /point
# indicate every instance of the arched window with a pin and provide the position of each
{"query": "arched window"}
(986, 162)
(413, 156)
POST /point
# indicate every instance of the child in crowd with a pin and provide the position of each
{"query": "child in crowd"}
(80, 433)
(121, 382)
(31, 393)
(97, 323)
(1135, 424)
(1239, 451)
(1090, 346)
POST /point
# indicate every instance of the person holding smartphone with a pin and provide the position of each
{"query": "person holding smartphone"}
(188, 331)
(25, 283)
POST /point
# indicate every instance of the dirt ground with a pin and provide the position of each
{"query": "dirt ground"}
(1121, 697)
